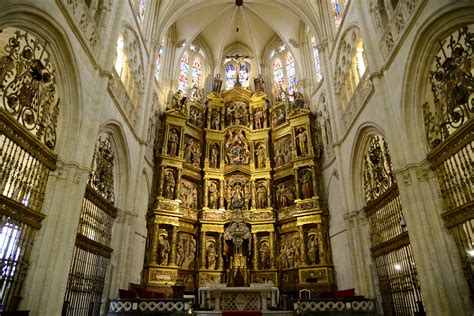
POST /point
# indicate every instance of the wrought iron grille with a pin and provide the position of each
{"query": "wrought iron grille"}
(29, 109)
(92, 251)
(398, 282)
(449, 124)
(391, 249)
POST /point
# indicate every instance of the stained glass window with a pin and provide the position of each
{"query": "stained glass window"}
(290, 73)
(141, 11)
(158, 63)
(278, 72)
(244, 75)
(336, 12)
(183, 73)
(120, 56)
(197, 72)
(230, 77)
(317, 63)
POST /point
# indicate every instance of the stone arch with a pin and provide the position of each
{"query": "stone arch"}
(122, 166)
(360, 144)
(415, 79)
(45, 27)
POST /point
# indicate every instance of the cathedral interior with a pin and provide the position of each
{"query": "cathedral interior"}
(164, 148)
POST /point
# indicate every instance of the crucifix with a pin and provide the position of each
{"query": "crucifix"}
(238, 58)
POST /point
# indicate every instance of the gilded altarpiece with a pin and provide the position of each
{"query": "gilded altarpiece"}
(237, 196)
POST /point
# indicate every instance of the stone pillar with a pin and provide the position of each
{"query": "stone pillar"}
(203, 250)
(221, 194)
(206, 192)
(220, 243)
(272, 251)
(443, 285)
(303, 257)
(174, 242)
(255, 252)
(154, 242)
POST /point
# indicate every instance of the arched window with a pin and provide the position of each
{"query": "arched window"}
(29, 110)
(129, 68)
(284, 71)
(351, 66)
(338, 8)
(234, 65)
(158, 62)
(191, 69)
(317, 62)
(244, 75)
(183, 73)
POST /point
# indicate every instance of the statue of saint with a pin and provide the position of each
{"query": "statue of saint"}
(213, 156)
(264, 252)
(213, 195)
(302, 141)
(258, 118)
(215, 119)
(169, 185)
(313, 249)
(261, 196)
(211, 256)
(306, 185)
(261, 155)
(217, 83)
(164, 249)
(173, 140)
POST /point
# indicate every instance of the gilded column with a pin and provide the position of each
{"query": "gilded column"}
(203, 250)
(302, 258)
(252, 185)
(221, 193)
(269, 194)
(162, 180)
(165, 142)
(315, 182)
(255, 252)
(154, 242)
(272, 250)
(322, 244)
(297, 186)
(178, 184)
(221, 250)
(174, 242)
(206, 185)
(181, 142)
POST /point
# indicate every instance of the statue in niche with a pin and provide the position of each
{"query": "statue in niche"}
(213, 192)
(237, 149)
(173, 140)
(215, 119)
(259, 83)
(247, 196)
(261, 200)
(264, 252)
(196, 155)
(261, 154)
(282, 151)
(313, 250)
(211, 256)
(213, 155)
(284, 195)
(194, 198)
(217, 83)
(306, 184)
(302, 141)
(237, 200)
(188, 148)
(258, 118)
(164, 249)
(169, 185)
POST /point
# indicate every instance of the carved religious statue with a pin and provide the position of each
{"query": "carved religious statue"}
(312, 250)
(237, 149)
(164, 249)
(169, 185)
(306, 184)
(261, 200)
(302, 141)
(258, 118)
(213, 192)
(213, 156)
(211, 256)
(264, 253)
(215, 119)
(173, 140)
(261, 154)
